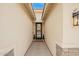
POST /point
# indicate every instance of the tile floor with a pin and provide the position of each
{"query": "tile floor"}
(38, 49)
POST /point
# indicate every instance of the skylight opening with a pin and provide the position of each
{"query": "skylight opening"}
(38, 6)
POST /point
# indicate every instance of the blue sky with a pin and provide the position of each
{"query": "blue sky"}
(37, 5)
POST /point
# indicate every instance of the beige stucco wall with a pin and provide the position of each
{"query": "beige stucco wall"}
(15, 29)
(70, 32)
(59, 27)
(54, 27)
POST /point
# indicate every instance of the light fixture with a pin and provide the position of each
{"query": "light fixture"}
(76, 18)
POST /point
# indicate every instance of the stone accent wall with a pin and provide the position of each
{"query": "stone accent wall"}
(66, 51)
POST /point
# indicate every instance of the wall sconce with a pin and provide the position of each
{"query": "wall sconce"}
(76, 18)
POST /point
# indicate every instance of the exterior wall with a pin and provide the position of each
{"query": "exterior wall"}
(15, 29)
(70, 46)
(59, 30)
(54, 28)
(70, 32)
(70, 42)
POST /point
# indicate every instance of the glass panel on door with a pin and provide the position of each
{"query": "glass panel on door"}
(38, 30)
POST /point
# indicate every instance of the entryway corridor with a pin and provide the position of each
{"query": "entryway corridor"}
(50, 30)
(38, 49)
(38, 46)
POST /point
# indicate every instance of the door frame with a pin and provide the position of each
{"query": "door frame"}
(36, 29)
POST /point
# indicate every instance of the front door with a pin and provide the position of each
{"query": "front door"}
(39, 30)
